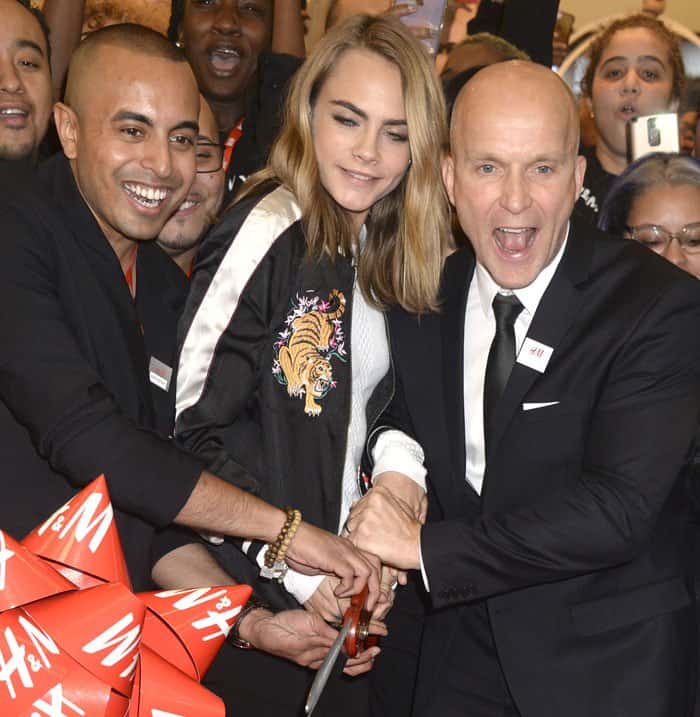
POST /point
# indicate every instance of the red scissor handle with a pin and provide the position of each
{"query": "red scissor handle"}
(358, 638)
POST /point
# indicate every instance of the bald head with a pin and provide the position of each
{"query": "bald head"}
(129, 128)
(513, 174)
(514, 90)
(87, 60)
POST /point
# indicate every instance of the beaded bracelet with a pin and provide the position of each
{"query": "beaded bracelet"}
(275, 566)
(289, 536)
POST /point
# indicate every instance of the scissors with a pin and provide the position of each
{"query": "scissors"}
(354, 635)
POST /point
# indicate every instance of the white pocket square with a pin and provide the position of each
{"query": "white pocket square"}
(533, 406)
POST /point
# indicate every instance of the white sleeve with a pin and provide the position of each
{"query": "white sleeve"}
(424, 575)
(395, 451)
(300, 586)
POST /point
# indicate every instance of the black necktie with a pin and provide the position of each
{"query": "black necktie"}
(501, 357)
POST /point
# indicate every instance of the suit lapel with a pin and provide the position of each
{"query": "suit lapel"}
(554, 315)
(458, 273)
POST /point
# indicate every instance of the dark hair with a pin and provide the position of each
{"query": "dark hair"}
(500, 47)
(138, 38)
(603, 39)
(652, 170)
(26, 4)
(690, 102)
(177, 12)
(453, 86)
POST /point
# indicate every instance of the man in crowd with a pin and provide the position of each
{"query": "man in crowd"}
(74, 379)
(183, 232)
(25, 85)
(166, 264)
(477, 51)
(557, 548)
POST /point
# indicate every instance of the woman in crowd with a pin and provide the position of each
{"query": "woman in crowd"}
(635, 69)
(228, 43)
(285, 361)
(656, 201)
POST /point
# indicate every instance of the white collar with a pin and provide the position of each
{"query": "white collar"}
(359, 245)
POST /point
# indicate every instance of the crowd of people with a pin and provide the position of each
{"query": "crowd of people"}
(339, 320)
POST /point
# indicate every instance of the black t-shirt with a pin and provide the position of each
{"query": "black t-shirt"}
(15, 171)
(596, 185)
(263, 119)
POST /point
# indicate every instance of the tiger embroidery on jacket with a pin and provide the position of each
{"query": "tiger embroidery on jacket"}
(313, 334)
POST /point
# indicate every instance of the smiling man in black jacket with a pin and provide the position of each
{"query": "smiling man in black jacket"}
(74, 377)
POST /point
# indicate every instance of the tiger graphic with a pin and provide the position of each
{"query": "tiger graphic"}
(313, 334)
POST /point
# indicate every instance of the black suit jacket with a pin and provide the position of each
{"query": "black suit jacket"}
(579, 543)
(75, 398)
(161, 292)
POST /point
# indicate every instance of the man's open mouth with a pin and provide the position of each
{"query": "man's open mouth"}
(514, 241)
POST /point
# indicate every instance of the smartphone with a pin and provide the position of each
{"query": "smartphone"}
(653, 133)
(428, 19)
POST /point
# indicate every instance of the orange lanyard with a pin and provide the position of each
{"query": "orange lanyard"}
(129, 273)
(233, 136)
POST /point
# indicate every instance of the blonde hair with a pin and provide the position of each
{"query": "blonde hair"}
(407, 230)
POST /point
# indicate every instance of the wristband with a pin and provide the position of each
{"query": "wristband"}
(234, 638)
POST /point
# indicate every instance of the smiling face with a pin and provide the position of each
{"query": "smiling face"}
(513, 174)
(25, 82)
(634, 78)
(131, 141)
(360, 133)
(186, 227)
(222, 40)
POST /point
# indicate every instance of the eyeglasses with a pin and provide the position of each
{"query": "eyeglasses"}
(210, 157)
(658, 238)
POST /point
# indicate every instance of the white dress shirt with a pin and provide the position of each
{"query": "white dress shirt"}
(479, 330)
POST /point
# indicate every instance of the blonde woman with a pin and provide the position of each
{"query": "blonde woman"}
(285, 359)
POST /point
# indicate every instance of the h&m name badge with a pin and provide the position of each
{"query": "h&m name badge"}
(159, 373)
(535, 355)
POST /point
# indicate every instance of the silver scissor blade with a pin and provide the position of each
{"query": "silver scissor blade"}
(324, 672)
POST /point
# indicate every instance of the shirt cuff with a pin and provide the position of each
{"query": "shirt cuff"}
(424, 575)
(395, 451)
(301, 587)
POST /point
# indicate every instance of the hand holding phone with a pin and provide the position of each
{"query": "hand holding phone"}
(424, 18)
(653, 133)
